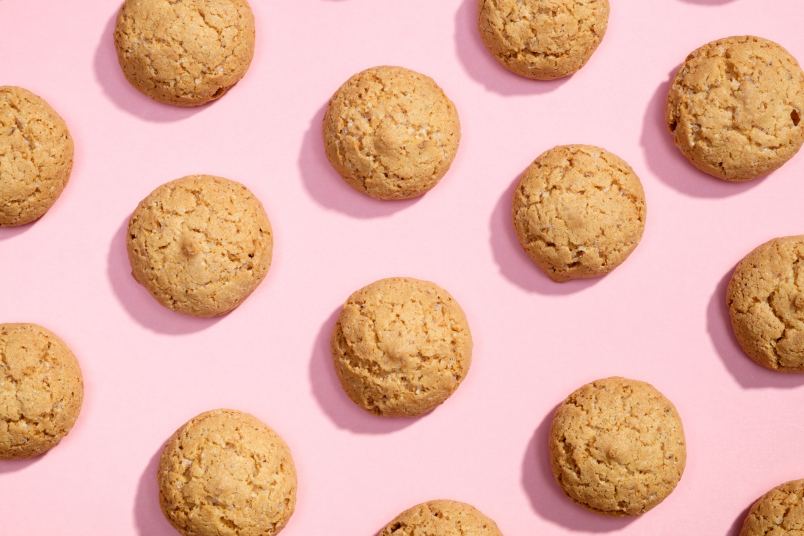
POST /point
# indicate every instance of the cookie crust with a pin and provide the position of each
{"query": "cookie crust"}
(441, 518)
(778, 512)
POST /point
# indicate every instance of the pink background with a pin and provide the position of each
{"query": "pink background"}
(659, 317)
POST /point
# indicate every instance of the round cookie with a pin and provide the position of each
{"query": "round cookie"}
(200, 244)
(401, 347)
(225, 473)
(391, 132)
(543, 39)
(36, 156)
(579, 211)
(617, 447)
(184, 53)
(441, 518)
(779, 512)
(735, 108)
(41, 390)
(766, 304)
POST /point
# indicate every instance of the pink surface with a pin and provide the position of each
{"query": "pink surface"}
(658, 318)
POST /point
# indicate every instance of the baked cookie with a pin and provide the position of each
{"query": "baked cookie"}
(780, 512)
(200, 244)
(401, 347)
(441, 518)
(225, 473)
(391, 132)
(186, 52)
(735, 108)
(41, 390)
(543, 39)
(766, 304)
(36, 156)
(579, 211)
(617, 447)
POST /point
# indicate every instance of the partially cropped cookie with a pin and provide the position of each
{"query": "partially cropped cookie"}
(36, 156)
(780, 512)
(441, 518)
(543, 39)
(766, 304)
(401, 346)
(225, 473)
(200, 244)
(735, 107)
(391, 132)
(185, 53)
(41, 390)
(617, 447)
(579, 211)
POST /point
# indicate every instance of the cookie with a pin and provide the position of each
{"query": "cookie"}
(579, 211)
(200, 244)
(225, 473)
(779, 512)
(765, 298)
(36, 156)
(735, 107)
(41, 390)
(184, 53)
(543, 39)
(617, 447)
(401, 347)
(441, 518)
(391, 132)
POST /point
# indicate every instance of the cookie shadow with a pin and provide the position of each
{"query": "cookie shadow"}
(737, 525)
(333, 400)
(12, 466)
(7, 233)
(545, 496)
(148, 516)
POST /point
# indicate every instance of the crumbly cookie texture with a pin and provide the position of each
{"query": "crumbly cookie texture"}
(766, 304)
(735, 108)
(225, 473)
(401, 346)
(579, 211)
(441, 518)
(200, 244)
(36, 156)
(543, 39)
(185, 52)
(617, 447)
(41, 390)
(780, 512)
(391, 132)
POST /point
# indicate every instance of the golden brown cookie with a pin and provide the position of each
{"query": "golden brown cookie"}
(200, 244)
(441, 518)
(391, 132)
(225, 473)
(735, 107)
(617, 447)
(780, 512)
(185, 52)
(401, 346)
(41, 390)
(36, 156)
(579, 211)
(543, 39)
(766, 304)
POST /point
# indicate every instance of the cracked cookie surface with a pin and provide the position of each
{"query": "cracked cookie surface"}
(36, 156)
(185, 52)
(617, 446)
(765, 298)
(225, 473)
(735, 108)
(780, 512)
(200, 244)
(578, 211)
(543, 39)
(41, 390)
(441, 518)
(401, 346)
(391, 133)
